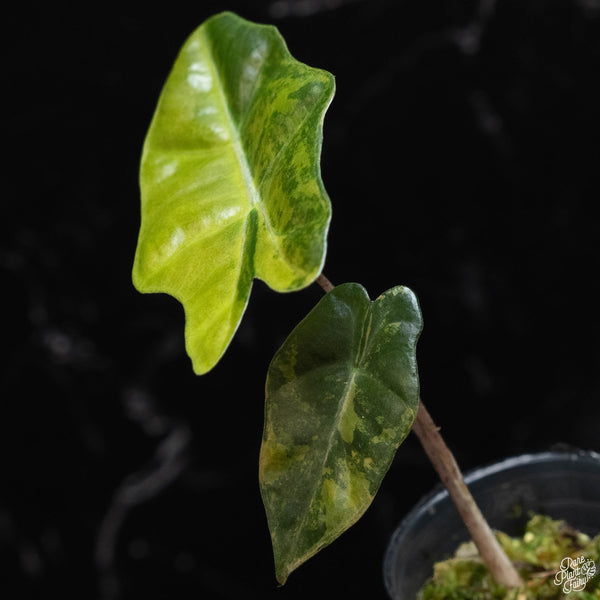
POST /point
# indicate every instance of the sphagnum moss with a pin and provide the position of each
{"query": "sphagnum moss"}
(540, 555)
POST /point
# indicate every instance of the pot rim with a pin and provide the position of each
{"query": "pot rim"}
(439, 492)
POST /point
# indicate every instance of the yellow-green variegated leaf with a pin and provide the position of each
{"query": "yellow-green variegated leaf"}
(230, 179)
(341, 395)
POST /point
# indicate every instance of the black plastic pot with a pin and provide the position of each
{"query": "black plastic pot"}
(563, 485)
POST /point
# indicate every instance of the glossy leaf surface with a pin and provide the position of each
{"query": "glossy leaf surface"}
(341, 395)
(230, 179)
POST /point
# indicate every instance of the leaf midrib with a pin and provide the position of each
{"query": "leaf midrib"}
(236, 142)
(245, 172)
(300, 527)
(252, 190)
(347, 396)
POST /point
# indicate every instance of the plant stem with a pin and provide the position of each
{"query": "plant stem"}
(444, 463)
(324, 283)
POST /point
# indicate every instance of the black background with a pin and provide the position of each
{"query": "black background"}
(461, 157)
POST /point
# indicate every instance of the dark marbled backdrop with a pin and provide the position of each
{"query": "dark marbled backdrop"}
(461, 156)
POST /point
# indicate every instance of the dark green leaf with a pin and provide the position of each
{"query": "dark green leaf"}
(341, 395)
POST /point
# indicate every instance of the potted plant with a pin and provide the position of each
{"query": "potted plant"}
(562, 484)
(232, 191)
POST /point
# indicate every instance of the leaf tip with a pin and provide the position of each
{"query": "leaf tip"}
(281, 578)
(284, 568)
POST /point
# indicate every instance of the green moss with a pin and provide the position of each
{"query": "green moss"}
(544, 549)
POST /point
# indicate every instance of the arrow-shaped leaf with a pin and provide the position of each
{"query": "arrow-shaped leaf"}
(230, 179)
(342, 394)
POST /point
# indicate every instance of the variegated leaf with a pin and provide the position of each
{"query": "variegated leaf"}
(341, 395)
(230, 179)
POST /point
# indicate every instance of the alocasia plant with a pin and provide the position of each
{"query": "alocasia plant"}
(231, 190)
